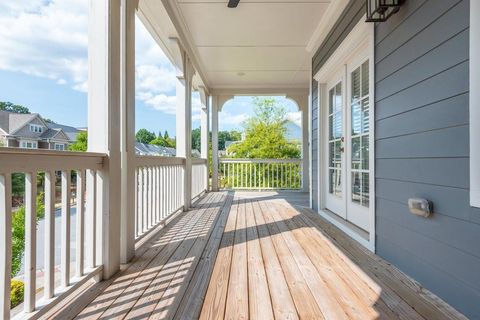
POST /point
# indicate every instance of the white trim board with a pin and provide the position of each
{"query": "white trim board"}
(474, 104)
(360, 39)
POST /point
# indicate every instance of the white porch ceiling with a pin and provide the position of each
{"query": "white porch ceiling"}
(259, 44)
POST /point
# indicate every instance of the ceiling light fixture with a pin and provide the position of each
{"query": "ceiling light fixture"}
(233, 3)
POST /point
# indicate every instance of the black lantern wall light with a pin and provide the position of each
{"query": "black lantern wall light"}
(381, 10)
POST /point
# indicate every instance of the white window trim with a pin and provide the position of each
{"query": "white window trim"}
(474, 104)
(361, 37)
(60, 145)
(36, 128)
(25, 142)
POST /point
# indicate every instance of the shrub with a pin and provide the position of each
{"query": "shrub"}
(16, 293)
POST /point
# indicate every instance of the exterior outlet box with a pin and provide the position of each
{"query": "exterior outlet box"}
(420, 207)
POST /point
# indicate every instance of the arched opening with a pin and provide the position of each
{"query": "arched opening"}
(260, 141)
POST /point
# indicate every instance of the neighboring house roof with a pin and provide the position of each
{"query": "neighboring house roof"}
(196, 153)
(19, 121)
(153, 150)
(55, 134)
(69, 131)
(11, 123)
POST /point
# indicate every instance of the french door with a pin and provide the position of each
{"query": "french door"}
(348, 143)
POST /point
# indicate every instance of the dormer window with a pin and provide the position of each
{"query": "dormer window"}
(36, 128)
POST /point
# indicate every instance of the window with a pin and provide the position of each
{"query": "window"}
(474, 104)
(29, 144)
(360, 129)
(59, 146)
(36, 128)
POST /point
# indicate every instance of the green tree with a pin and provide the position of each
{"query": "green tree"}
(18, 233)
(224, 136)
(165, 135)
(196, 139)
(145, 136)
(81, 144)
(265, 134)
(8, 106)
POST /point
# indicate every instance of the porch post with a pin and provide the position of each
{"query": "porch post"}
(302, 102)
(184, 127)
(215, 143)
(205, 131)
(127, 239)
(305, 150)
(104, 125)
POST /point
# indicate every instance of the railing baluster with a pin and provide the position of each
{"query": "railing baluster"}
(49, 241)
(140, 201)
(145, 200)
(136, 202)
(91, 219)
(65, 240)
(5, 243)
(30, 240)
(163, 191)
(80, 223)
(157, 195)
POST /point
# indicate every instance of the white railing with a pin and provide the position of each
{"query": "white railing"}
(260, 174)
(42, 169)
(159, 190)
(199, 177)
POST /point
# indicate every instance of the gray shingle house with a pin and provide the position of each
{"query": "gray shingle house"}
(31, 131)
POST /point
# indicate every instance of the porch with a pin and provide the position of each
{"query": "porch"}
(258, 255)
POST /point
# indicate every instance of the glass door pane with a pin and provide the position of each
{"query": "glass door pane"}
(360, 128)
(335, 140)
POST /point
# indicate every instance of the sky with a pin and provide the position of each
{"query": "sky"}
(43, 66)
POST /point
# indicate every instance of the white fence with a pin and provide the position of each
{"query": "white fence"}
(159, 190)
(260, 174)
(43, 169)
(199, 177)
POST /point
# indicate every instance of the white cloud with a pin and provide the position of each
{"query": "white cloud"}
(49, 39)
(295, 117)
(227, 118)
(45, 39)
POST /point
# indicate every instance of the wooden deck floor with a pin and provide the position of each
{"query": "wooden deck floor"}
(259, 256)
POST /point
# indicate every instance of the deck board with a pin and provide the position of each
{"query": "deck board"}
(252, 255)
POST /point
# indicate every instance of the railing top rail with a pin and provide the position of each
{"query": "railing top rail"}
(146, 161)
(24, 160)
(199, 161)
(235, 160)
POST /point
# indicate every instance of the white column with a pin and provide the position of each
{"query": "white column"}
(127, 239)
(104, 125)
(215, 143)
(302, 102)
(305, 150)
(205, 130)
(184, 128)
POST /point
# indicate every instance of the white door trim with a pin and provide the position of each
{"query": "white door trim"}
(361, 38)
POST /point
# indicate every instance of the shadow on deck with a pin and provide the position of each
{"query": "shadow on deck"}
(258, 255)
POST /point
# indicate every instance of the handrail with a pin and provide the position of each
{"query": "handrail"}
(24, 160)
(199, 161)
(247, 160)
(145, 161)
